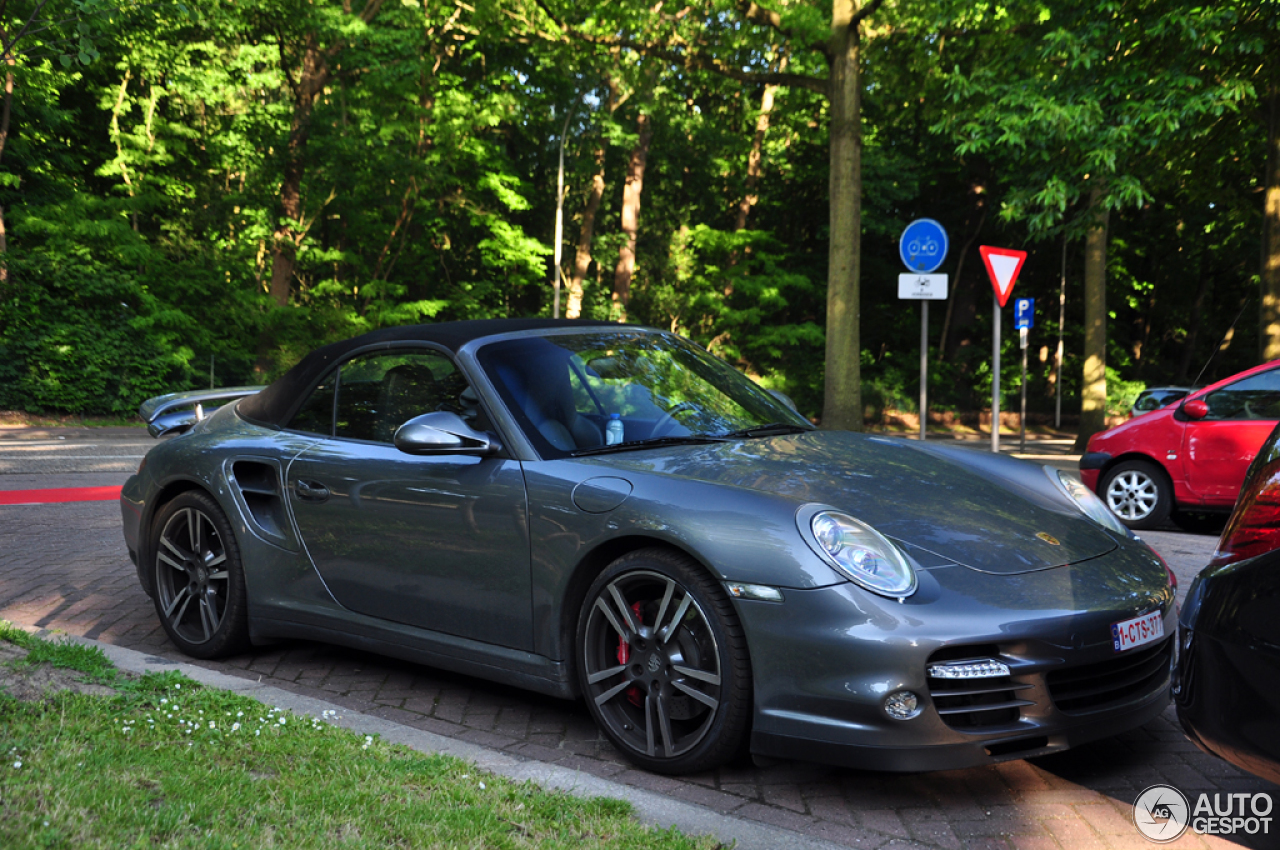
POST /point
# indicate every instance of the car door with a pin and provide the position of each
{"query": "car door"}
(439, 542)
(1218, 448)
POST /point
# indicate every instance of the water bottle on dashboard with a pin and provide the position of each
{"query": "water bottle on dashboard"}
(613, 431)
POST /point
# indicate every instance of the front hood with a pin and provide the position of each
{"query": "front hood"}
(945, 505)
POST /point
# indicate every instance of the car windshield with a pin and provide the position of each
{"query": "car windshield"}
(614, 390)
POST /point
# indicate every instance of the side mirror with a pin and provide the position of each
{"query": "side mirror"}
(1196, 409)
(442, 433)
(784, 398)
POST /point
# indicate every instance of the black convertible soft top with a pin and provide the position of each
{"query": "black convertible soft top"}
(277, 402)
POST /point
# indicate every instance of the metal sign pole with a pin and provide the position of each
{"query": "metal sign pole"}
(924, 366)
(1022, 418)
(995, 374)
(1062, 318)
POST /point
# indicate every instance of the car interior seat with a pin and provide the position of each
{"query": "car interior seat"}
(541, 388)
(408, 390)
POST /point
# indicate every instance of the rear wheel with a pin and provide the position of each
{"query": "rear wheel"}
(662, 662)
(1138, 493)
(198, 579)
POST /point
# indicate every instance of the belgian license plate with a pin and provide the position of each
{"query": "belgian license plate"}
(1130, 633)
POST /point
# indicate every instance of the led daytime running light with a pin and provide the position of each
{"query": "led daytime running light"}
(984, 668)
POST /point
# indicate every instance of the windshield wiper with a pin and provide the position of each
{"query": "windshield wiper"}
(630, 445)
(770, 429)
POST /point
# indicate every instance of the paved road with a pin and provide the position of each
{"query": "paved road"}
(64, 567)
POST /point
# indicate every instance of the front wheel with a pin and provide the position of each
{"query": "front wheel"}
(198, 579)
(1138, 493)
(662, 662)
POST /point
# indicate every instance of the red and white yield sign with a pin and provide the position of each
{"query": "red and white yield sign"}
(1003, 265)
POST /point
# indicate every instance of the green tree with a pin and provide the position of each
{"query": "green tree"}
(1110, 90)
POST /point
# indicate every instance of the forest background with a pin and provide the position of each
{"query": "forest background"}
(199, 193)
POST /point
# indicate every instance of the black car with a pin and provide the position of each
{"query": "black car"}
(1226, 688)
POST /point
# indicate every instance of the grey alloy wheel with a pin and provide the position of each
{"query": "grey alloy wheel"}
(663, 663)
(198, 579)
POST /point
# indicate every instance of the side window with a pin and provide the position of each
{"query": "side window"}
(1257, 397)
(377, 393)
(316, 414)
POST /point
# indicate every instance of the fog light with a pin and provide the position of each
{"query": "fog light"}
(982, 668)
(902, 705)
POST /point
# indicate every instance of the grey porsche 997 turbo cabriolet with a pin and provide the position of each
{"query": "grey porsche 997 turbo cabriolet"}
(607, 512)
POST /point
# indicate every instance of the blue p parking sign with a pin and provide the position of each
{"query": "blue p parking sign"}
(1024, 313)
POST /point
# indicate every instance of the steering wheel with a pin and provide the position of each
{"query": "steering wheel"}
(667, 423)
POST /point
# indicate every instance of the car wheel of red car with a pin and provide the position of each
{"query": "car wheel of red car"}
(1200, 523)
(1138, 492)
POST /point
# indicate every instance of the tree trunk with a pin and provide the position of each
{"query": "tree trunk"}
(1093, 388)
(631, 216)
(1269, 337)
(749, 197)
(842, 399)
(306, 83)
(5, 111)
(961, 309)
(586, 234)
(582, 256)
(288, 233)
(1185, 362)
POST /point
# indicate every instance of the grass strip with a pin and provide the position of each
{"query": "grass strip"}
(169, 763)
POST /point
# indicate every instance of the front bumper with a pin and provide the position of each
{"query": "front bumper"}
(826, 660)
(1091, 466)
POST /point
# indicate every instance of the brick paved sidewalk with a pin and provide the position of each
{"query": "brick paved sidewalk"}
(64, 567)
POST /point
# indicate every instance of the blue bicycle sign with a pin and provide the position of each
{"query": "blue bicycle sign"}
(923, 245)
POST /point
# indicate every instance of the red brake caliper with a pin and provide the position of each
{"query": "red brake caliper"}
(624, 654)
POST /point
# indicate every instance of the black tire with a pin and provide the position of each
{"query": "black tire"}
(670, 685)
(1138, 492)
(197, 578)
(1201, 523)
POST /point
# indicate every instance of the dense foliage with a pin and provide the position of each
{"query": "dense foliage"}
(197, 192)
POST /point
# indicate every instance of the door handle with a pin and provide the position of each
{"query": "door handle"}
(311, 491)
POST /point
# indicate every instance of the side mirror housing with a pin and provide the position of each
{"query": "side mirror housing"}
(442, 433)
(1196, 409)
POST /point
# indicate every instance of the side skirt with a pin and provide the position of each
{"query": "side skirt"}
(447, 652)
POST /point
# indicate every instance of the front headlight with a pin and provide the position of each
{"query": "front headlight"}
(1089, 504)
(858, 551)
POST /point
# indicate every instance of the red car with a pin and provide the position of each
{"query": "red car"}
(1190, 456)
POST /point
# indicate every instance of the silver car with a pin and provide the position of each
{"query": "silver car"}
(608, 512)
